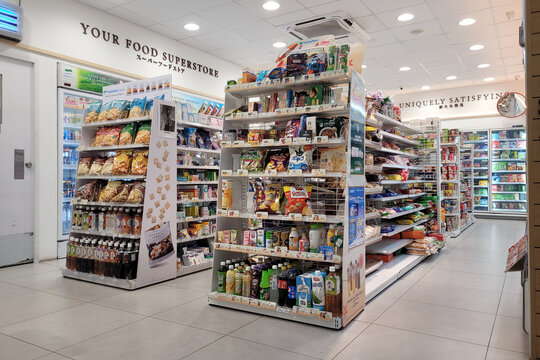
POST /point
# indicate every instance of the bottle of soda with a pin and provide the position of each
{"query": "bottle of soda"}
(255, 282)
(238, 281)
(229, 280)
(282, 286)
(333, 292)
(291, 287)
(221, 277)
(265, 285)
(246, 285)
(274, 291)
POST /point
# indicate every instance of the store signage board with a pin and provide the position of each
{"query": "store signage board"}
(79, 78)
(357, 124)
(10, 21)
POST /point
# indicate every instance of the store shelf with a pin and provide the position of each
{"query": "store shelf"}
(203, 218)
(72, 125)
(285, 143)
(102, 280)
(481, 186)
(449, 181)
(398, 139)
(112, 148)
(68, 199)
(387, 246)
(403, 213)
(185, 124)
(510, 201)
(284, 114)
(281, 175)
(372, 145)
(508, 183)
(372, 266)
(513, 149)
(110, 177)
(77, 201)
(190, 239)
(395, 182)
(100, 233)
(373, 169)
(309, 219)
(195, 201)
(115, 122)
(509, 171)
(308, 315)
(277, 252)
(198, 167)
(480, 158)
(198, 150)
(185, 270)
(254, 88)
(401, 228)
(396, 152)
(373, 239)
(455, 144)
(396, 166)
(475, 141)
(69, 167)
(515, 139)
(372, 191)
(373, 215)
(480, 168)
(510, 210)
(509, 160)
(71, 142)
(202, 182)
(389, 122)
(398, 197)
(508, 192)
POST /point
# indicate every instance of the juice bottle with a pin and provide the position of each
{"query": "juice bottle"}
(333, 292)
(229, 281)
(119, 223)
(68, 253)
(90, 256)
(293, 240)
(120, 257)
(265, 285)
(128, 264)
(274, 290)
(98, 257)
(221, 277)
(246, 282)
(255, 282)
(330, 235)
(238, 281)
(106, 254)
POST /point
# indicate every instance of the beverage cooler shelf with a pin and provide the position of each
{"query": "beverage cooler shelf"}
(278, 252)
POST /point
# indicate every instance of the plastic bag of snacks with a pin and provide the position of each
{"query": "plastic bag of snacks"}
(334, 159)
(127, 134)
(97, 166)
(277, 159)
(122, 193)
(140, 162)
(137, 108)
(267, 198)
(109, 191)
(122, 162)
(87, 191)
(136, 195)
(92, 113)
(104, 112)
(84, 166)
(252, 160)
(143, 134)
(116, 110)
(110, 136)
(297, 199)
(107, 166)
(301, 158)
(255, 136)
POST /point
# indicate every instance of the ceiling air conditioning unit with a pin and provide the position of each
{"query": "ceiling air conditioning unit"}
(342, 26)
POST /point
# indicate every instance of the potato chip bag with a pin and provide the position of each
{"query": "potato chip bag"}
(297, 199)
(143, 134)
(127, 134)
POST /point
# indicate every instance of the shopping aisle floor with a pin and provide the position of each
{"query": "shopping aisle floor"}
(456, 305)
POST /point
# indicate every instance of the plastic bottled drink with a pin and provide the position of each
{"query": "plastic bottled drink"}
(229, 282)
(333, 292)
(265, 285)
(294, 239)
(291, 287)
(221, 277)
(255, 282)
(282, 287)
(304, 243)
(274, 290)
(246, 282)
(238, 281)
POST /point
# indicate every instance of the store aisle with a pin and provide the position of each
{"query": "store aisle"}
(456, 305)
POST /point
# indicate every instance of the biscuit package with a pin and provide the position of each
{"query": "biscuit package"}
(301, 158)
(136, 195)
(109, 191)
(84, 166)
(127, 134)
(97, 166)
(139, 164)
(116, 110)
(334, 159)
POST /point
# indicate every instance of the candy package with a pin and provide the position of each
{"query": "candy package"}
(277, 159)
(122, 162)
(297, 199)
(139, 163)
(143, 134)
(301, 158)
(127, 134)
(267, 198)
(252, 160)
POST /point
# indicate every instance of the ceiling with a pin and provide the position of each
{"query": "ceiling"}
(242, 32)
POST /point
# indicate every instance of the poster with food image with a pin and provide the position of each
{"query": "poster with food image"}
(159, 244)
(353, 293)
(356, 216)
(195, 104)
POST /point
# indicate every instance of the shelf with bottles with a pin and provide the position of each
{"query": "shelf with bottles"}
(190, 269)
(184, 237)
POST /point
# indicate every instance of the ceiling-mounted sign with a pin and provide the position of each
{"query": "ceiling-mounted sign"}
(453, 103)
(10, 21)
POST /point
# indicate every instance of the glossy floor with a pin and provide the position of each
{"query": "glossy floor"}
(458, 304)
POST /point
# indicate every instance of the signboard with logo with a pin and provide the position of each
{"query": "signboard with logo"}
(73, 77)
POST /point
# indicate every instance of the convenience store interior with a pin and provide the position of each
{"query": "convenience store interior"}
(166, 129)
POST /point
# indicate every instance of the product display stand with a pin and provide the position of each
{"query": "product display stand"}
(197, 182)
(450, 182)
(480, 165)
(122, 232)
(466, 187)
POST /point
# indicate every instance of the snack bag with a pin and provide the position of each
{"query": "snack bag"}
(111, 137)
(297, 199)
(252, 160)
(100, 135)
(140, 162)
(127, 134)
(116, 110)
(84, 166)
(333, 128)
(87, 191)
(122, 193)
(334, 159)
(277, 159)
(109, 191)
(268, 198)
(143, 134)
(137, 108)
(293, 128)
(122, 162)
(150, 105)
(97, 166)
(301, 158)
(255, 137)
(92, 113)
(136, 195)
(104, 112)
(125, 112)
(227, 195)
(107, 166)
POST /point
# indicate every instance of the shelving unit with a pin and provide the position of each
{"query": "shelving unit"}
(466, 187)
(480, 168)
(451, 183)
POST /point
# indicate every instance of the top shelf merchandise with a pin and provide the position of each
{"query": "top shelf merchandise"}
(466, 186)
(480, 167)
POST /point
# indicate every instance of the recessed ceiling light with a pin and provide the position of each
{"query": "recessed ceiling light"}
(405, 17)
(425, 87)
(483, 66)
(489, 79)
(191, 27)
(404, 68)
(467, 22)
(364, 66)
(271, 5)
(476, 47)
(451, 77)
(279, 44)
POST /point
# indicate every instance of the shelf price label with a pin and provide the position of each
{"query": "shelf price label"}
(261, 215)
(226, 144)
(242, 172)
(320, 139)
(295, 172)
(270, 172)
(221, 212)
(285, 141)
(233, 213)
(301, 141)
(318, 172)
(239, 143)
(268, 142)
(226, 172)
(318, 218)
(83, 201)
(294, 217)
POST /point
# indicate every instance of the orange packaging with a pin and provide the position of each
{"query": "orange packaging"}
(413, 234)
(379, 257)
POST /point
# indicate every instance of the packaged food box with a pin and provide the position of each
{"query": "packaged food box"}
(379, 257)
(412, 234)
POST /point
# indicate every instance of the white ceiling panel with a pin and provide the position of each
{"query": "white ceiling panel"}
(393, 51)
(497, 3)
(513, 60)
(429, 28)
(482, 17)
(442, 8)
(309, 3)
(221, 39)
(429, 54)
(177, 25)
(156, 10)
(98, 4)
(380, 6)
(508, 12)
(468, 34)
(431, 44)
(200, 5)
(508, 41)
(514, 68)
(285, 7)
(291, 17)
(193, 42)
(370, 23)
(130, 16)
(258, 30)
(354, 8)
(508, 28)
(421, 12)
(164, 30)
(228, 15)
(381, 38)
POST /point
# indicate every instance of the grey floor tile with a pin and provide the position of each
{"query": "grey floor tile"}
(508, 334)
(56, 262)
(512, 284)
(53, 356)
(230, 348)
(13, 349)
(499, 354)
(301, 338)
(10, 290)
(466, 280)
(476, 267)
(199, 314)
(145, 339)
(451, 323)
(25, 270)
(375, 308)
(511, 305)
(82, 290)
(66, 327)
(383, 343)
(199, 281)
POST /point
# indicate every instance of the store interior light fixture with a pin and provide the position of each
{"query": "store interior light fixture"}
(405, 17)
(489, 79)
(466, 22)
(279, 44)
(451, 77)
(483, 66)
(271, 5)
(425, 87)
(191, 27)
(404, 68)
(364, 66)
(476, 47)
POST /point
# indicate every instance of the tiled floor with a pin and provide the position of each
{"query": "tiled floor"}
(458, 304)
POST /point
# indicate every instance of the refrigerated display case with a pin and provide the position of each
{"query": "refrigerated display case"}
(508, 171)
(480, 168)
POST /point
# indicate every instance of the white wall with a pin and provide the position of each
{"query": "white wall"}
(54, 26)
(481, 123)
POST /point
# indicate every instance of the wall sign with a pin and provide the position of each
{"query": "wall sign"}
(10, 21)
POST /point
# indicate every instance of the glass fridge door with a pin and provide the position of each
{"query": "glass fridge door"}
(480, 168)
(508, 175)
(71, 110)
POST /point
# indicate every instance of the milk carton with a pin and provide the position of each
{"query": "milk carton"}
(303, 291)
(317, 290)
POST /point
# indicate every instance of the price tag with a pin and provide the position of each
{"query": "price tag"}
(226, 172)
(303, 311)
(242, 172)
(188, 218)
(275, 81)
(301, 109)
(268, 142)
(279, 111)
(233, 213)
(280, 249)
(291, 110)
(226, 144)
(320, 139)
(285, 141)
(245, 300)
(300, 140)
(252, 114)
(261, 215)
(294, 217)
(83, 201)
(318, 256)
(318, 218)
(239, 143)
(314, 312)
(311, 76)
(221, 212)
(318, 172)
(288, 80)
(295, 172)
(270, 172)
